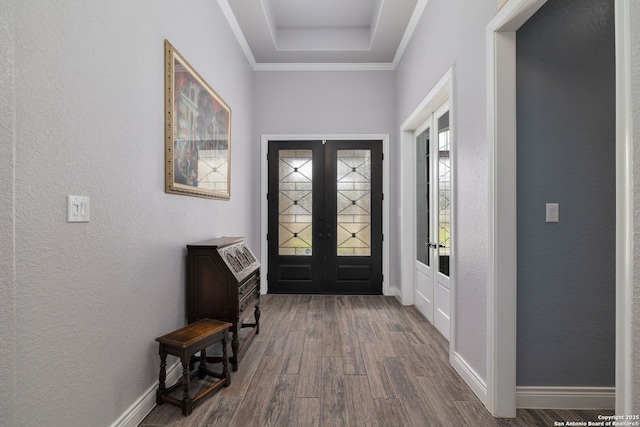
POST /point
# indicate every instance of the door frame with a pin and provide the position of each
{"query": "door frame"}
(501, 137)
(441, 92)
(264, 181)
(431, 122)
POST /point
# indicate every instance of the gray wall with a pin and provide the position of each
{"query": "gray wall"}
(566, 155)
(81, 91)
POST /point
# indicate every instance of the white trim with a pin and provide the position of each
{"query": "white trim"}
(237, 31)
(442, 92)
(264, 214)
(471, 377)
(411, 27)
(501, 292)
(145, 404)
(352, 66)
(566, 397)
(624, 209)
(326, 66)
(501, 137)
(396, 292)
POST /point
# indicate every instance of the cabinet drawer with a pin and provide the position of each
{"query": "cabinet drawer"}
(248, 286)
(249, 301)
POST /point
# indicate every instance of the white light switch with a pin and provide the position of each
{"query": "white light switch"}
(77, 209)
(552, 212)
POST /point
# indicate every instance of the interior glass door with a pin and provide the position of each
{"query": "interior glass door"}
(433, 208)
(442, 218)
(423, 286)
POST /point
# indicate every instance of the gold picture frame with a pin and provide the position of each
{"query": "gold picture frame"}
(197, 133)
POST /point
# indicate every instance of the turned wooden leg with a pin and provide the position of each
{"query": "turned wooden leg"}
(192, 362)
(162, 377)
(235, 345)
(225, 360)
(257, 315)
(203, 364)
(186, 401)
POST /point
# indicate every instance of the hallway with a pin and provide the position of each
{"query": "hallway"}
(346, 361)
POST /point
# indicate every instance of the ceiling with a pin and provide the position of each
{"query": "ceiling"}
(323, 34)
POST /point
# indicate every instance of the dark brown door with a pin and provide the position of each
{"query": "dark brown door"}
(325, 217)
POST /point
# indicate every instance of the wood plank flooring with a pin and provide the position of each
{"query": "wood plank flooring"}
(354, 361)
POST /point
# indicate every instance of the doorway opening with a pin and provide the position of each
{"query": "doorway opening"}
(428, 268)
(432, 284)
(324, 214)
(500, 391)
(325, 217)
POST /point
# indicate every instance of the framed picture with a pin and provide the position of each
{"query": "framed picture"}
(197, 133)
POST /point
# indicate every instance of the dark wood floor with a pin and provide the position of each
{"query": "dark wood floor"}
(347, 361)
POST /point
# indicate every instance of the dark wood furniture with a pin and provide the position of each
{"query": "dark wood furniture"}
(223, 282)
(184, 343)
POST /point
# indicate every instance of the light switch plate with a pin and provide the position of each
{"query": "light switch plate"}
(78, 209)
(552, 212)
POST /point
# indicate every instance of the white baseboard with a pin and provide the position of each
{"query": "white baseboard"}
(542, 397)
(473, 380)
(141, 408)
(566, 397)
(396, 292)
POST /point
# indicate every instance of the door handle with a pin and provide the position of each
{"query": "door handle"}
(320, 227)
(329, 230)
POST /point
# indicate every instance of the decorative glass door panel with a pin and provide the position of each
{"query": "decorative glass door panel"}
(354, 203)
(325, 217)
(444, 195)
(295, 197)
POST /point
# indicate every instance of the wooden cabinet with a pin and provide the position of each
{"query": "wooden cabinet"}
(223, 283)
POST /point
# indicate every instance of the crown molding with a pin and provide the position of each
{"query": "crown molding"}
(382, 66)
(351, 66)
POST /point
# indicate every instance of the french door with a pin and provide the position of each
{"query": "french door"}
(325, 217)
(433, 220)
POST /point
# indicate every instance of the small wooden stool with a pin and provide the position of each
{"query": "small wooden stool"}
(184, 343)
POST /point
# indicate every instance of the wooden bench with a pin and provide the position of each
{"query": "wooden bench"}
(184, 343)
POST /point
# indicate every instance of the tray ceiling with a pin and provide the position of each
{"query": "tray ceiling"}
(315, 34)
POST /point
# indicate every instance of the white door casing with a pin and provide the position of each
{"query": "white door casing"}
(410, 270)
(432, 290)
(387, 289)
(501, 136)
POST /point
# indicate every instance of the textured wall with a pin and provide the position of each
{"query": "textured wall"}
(90, 298)
(566, 154)
(7, 256)
(451, 33)
(635, 87)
